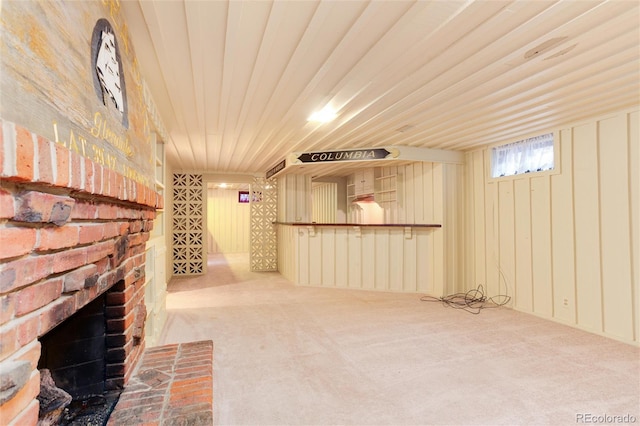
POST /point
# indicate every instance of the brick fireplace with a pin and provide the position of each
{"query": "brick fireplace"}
(71, 232)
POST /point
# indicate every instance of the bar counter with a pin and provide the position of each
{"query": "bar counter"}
(384, 225)
(384, 257)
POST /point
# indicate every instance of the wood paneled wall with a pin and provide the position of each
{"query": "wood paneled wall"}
(564, 245)
(294, 198)
(227, 222)
(366, 258)
(325, 202)
(434, 193)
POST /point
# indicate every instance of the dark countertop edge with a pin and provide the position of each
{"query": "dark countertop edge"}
(381, 225)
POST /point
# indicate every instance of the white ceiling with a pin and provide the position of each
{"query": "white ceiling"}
(234, 81)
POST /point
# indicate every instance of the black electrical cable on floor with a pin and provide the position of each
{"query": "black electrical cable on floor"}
(473, 301)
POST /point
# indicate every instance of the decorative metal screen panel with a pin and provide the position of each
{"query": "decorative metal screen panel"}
(264, 245)
(188, 224)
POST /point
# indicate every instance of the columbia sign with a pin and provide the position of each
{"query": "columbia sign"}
(346, 155)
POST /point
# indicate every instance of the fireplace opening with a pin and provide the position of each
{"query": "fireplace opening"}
(73, 366)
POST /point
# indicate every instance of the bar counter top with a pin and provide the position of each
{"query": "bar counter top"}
(384, 225)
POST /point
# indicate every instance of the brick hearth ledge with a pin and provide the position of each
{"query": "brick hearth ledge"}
(173, 385)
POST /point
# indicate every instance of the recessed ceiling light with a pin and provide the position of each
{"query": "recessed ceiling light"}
(325, 115)
(222, 185)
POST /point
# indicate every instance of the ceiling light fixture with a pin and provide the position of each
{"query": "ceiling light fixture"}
(325, 115)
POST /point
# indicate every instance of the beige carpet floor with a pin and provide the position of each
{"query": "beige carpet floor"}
(287, 355)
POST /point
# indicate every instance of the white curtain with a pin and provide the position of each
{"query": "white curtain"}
(526, 156)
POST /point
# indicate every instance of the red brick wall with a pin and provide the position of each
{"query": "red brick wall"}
(70, 230)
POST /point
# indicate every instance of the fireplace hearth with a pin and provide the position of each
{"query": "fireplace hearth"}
(74, 355)
(75, 351)
(92, 411)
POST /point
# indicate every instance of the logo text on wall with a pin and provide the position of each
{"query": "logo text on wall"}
(345, 155)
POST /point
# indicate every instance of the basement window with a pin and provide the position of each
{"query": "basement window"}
(530, 155)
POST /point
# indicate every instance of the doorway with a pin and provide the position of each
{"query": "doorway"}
(228, 218)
